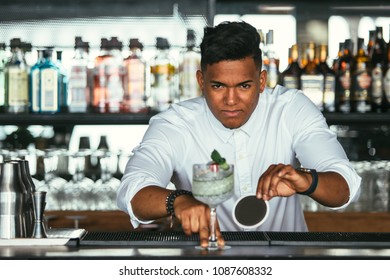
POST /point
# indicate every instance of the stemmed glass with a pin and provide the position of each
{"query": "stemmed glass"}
(212, 185)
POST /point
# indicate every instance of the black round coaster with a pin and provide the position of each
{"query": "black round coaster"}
(250, 212)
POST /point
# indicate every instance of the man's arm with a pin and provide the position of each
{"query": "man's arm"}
(284, 180)
(193, 215)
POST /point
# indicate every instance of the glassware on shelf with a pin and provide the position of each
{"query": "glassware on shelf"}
(212, 185)
(76, 194)
(103, 194)
(52, 184)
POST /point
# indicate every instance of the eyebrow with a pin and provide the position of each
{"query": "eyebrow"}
(241, 83)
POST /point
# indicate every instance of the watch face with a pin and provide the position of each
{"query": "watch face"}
(306, 170)
(250, 212)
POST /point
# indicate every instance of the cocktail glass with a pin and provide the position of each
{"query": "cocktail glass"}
(212, 185)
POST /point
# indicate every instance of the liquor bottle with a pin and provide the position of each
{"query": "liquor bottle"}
(34, 90)
(271, 61)
(386, 81)
(78, 88)
(135, 79)
(3, 60)
(303, 54)
(63, 84)
(361, 81)
(164, 87)
(312, 79)
(290, 77)
(262, 47)
(378, 61)
(114, 76)
(336, 61)
(49, 84)
(189, 64)
(329, 80)
(343, 79)
(99, 100)
(16, 80)
(371, 42)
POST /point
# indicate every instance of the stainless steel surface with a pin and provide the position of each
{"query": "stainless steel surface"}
(189, 252)
(14, 200)
(39, 203)
(30, 188)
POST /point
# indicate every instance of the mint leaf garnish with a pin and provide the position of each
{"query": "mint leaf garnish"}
(217, 158)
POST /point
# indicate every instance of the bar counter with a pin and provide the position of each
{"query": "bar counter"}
(244, 245)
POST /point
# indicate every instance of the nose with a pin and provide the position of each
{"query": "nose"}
(231, 97)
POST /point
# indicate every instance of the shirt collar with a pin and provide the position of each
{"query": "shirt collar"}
(226, 133)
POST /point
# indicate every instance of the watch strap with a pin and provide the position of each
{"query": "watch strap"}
(314, 182)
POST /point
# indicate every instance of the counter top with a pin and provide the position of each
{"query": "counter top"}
(190, 252)
(245, 245)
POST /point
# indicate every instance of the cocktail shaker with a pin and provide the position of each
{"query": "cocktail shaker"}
(15, 201)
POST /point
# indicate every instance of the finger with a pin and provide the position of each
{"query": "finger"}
(267, 181)
(218, 233)
(204, 232)
(263, 183)
(186, 224)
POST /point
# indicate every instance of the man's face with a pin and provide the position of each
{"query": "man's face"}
(231, 89)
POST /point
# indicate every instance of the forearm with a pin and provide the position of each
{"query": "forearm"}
(332, 189)
(149, 203)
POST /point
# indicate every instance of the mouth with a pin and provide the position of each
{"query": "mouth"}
(231, 113)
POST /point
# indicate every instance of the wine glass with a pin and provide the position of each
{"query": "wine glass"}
(212, 185)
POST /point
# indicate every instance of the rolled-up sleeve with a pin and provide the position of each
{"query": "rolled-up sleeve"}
(317, 147)
(150, 165)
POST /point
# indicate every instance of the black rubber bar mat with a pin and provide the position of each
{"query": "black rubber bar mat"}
(347, 239)
(167, 238)
(245, 238)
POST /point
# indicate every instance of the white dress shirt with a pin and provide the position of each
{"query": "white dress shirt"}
(286, 127)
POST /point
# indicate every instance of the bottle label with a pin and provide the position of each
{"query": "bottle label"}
(2, 88)
(135, 85)
(78, 76)
(313, 87)
(163, 86)
(377, 85)
(35, 90)
(136, 78)
(361, 87)
(18, 87)
(49, 90)
(386, 84)
(343, 91)
(329, 93)
(188, 84)
(272, 74)
(291, 82)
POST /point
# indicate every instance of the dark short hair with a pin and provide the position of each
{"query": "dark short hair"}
(230, 41)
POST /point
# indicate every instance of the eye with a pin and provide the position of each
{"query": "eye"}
(245, 86)
(216, 86)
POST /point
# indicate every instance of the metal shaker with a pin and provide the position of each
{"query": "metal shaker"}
(30, 188)
(14, 201)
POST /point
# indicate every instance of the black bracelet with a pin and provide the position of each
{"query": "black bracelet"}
(314, 182)
(171, 199)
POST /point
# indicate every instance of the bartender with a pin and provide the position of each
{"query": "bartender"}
(267, 133)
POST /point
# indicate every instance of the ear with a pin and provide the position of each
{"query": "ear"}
(199, 78)
(263, 80)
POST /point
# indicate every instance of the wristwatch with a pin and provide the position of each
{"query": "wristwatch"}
(314, 182)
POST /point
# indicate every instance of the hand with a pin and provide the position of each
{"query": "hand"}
(195, 218)
(281, 180)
